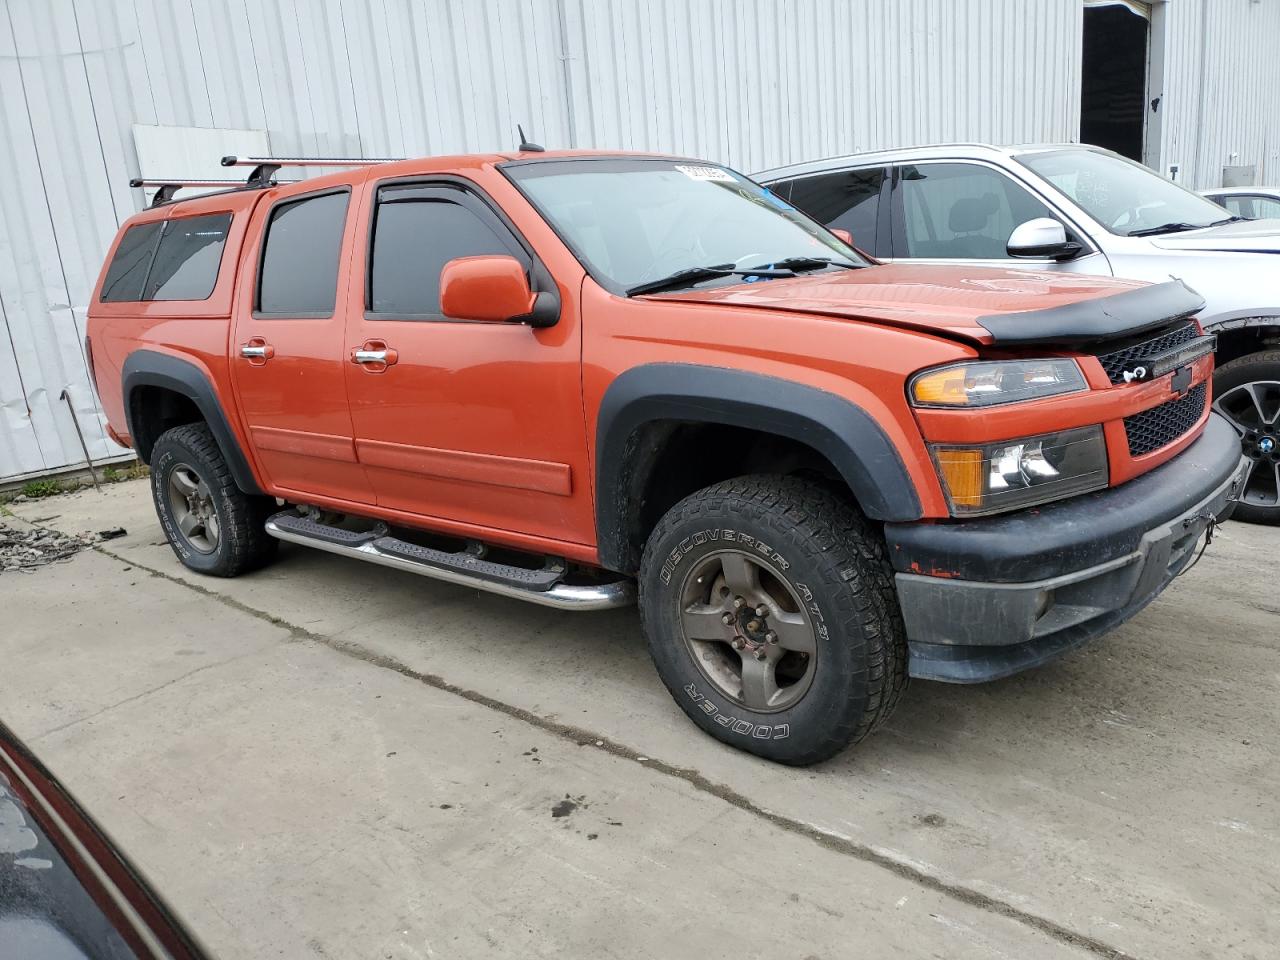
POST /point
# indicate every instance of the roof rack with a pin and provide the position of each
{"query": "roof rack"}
(167, 187)
(262, 175)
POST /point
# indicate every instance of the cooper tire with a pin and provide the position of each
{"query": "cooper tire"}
(224, 533)
(1247, 392)
(811, 550)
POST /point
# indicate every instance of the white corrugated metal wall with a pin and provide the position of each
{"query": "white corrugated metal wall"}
(1222, 92)
(753, 83)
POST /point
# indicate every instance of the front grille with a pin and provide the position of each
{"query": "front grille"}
(1160, 426)
(1117, 361)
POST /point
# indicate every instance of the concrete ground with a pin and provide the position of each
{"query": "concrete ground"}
(329, 759)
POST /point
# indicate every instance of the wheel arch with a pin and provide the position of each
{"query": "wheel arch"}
(647, 432)
(1243, 332)
(162, 391)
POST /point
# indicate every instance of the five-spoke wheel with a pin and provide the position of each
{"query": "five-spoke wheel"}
(747, 631)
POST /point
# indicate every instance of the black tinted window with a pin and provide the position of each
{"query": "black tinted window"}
(412, 241)
(186, 263)
(128, 270)
(846, 200)
(300, 259)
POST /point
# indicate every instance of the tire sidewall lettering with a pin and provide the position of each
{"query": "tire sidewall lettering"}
(719, 535)
(738, 725)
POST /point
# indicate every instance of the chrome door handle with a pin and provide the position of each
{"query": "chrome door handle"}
(369, 356)
(257, 351)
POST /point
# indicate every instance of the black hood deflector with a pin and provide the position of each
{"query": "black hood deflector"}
(1102, 318)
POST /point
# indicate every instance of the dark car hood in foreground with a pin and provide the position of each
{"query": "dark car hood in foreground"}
(983, 306)
(65, 891)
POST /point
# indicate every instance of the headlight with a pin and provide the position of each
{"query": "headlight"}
(989, 382)
(1017, 473)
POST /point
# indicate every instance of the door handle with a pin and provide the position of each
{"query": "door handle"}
(257, 351)
(374, 355)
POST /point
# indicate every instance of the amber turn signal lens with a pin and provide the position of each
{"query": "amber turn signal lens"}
(962, 473)
(985, 383)
(945, 387)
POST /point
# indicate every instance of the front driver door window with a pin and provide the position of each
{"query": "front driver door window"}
(958, 211)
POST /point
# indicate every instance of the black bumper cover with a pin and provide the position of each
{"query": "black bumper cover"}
(986, 598)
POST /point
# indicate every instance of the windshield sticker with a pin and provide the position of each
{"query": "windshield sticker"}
(705, 173)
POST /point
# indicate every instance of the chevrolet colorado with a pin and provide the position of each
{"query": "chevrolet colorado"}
(559, 375)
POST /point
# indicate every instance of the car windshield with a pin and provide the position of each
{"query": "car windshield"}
(1125, 197)
(635, 221)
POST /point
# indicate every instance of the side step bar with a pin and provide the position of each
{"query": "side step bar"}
(543, 586)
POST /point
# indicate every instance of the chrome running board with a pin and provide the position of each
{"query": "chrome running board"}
(544, 586)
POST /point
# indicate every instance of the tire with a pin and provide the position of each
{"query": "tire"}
(1247, 392)
(225, 532)
(816, 560)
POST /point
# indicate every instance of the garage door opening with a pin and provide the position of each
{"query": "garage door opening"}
(1114, 77)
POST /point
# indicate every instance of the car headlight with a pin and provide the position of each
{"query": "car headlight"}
(986, 383)
(993, 477)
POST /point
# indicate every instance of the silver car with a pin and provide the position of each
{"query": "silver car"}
(1068, 207)
(1251, 203)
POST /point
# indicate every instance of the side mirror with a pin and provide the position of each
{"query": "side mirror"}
(489, 289)
(1042, 237)
(843, 235)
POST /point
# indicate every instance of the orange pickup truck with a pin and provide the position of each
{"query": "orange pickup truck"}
(560, 375)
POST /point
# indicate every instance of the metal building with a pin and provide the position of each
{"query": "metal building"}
(94, 92)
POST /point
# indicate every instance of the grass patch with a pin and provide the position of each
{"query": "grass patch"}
(35, 489)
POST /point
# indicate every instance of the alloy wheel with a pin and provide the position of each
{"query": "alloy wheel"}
(191, 502)
(747, 631)
(1254, 410)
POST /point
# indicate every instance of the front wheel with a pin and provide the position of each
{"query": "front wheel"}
(770, 614)
(1247, 392)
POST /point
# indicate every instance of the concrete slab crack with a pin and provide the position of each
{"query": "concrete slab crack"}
(138, 696)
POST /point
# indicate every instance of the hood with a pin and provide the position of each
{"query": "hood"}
(949, 301)
(1244, 236)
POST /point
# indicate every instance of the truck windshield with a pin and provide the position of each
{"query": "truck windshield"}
(1125, 197)
(635, 222)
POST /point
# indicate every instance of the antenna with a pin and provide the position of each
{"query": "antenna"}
(525, 145)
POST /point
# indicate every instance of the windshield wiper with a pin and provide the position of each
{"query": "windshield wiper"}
(809, 263)
(691, 275)
(1176, 227)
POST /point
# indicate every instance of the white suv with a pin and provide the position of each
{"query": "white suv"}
(1068, 207)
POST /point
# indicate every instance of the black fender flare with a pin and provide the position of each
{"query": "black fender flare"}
(149, 368)
(844, 433)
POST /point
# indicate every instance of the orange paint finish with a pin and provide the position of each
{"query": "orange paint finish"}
(946, 300)
(487, 289)
(863, 362)
(488, 429)
(537, 475)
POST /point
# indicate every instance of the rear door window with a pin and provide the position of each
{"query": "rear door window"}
(299, 272)
(844, 200)
(186, 262)
(128, 270)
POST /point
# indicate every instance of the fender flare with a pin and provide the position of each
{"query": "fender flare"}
(1239, 319)
(844, 433)
(148, 368)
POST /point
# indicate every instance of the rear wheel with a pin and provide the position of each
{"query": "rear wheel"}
(1247, 392)
(212, 525)
(771, 616)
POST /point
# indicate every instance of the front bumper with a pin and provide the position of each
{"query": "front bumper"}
(986, 598)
